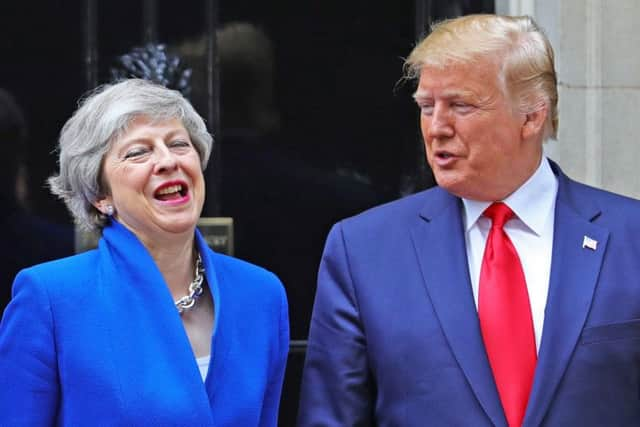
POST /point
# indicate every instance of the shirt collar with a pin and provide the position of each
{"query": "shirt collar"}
(531, 202)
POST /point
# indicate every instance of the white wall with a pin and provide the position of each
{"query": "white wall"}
(597, 45)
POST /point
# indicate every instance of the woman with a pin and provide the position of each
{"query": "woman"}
(117, 335)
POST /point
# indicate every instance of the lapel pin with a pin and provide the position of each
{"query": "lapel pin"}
(589, 243)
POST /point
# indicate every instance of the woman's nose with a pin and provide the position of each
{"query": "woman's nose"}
(165, 160)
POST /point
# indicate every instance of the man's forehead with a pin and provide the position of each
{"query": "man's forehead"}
(457, 80)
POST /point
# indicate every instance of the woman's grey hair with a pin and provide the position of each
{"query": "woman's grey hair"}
(101, 118)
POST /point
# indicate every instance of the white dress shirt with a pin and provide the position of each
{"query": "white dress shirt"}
(530, 231)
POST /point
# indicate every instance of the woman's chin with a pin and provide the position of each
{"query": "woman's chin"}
(176, 224)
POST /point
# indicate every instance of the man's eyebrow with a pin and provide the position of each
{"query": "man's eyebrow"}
(421, 94)
(447, 94)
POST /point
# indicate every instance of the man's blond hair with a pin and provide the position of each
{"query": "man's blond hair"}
(516, 44)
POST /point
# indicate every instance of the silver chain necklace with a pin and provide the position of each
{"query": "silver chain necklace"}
(195, 289)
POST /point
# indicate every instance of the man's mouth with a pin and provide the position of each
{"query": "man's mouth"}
(444, 155)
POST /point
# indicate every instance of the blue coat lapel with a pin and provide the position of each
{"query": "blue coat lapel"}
(146, 329)
(219, 340)
(574, 273)
(439, 242)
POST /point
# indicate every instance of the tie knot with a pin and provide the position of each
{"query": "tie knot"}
(499, 213)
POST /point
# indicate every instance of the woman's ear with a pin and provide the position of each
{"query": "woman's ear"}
(534, 123)
(105, 206)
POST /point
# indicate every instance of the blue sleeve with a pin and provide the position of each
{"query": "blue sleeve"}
(269, 413)
(29, 389)
(336, 382)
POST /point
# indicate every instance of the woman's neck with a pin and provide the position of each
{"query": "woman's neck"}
(176, 261)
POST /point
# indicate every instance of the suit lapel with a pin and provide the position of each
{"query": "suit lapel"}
(439, 242)
(574, 273)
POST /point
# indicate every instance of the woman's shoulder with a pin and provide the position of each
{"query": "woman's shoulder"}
(61, 272)
(244, 272)
(258, 295)
(237, 266)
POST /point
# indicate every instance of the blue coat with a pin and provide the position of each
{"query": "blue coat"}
(395, 334)
(95, 340)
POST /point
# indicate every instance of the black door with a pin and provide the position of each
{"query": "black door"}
(305, 100)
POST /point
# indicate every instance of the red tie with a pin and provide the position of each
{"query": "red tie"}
(505, 317)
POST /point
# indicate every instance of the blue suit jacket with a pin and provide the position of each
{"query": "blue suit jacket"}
(395, 337)
(95, 340)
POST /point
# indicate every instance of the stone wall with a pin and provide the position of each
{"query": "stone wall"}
(597, 45)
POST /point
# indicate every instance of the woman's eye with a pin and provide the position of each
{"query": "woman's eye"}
(136, 152)
(179, 143)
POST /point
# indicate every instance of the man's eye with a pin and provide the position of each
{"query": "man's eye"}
(426, 109)
(462, 107)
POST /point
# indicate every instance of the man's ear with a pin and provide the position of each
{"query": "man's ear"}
(534, 123)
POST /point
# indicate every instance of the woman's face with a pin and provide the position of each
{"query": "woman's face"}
(155, 180)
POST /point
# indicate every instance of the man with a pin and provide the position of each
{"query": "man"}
(447, 309)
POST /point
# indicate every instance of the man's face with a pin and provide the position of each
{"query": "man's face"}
(473, 135)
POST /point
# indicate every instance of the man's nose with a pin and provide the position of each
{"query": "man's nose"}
(440, 125)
